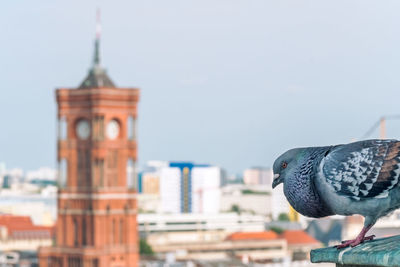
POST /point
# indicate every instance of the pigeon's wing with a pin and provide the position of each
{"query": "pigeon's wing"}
(363, 169)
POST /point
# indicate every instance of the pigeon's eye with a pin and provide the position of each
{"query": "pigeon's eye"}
(284, 165)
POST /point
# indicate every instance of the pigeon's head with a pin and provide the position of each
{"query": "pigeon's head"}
(285, 164)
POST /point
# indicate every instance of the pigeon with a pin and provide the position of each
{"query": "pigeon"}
(357, 178)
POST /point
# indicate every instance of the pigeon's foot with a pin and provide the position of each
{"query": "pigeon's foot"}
(354, 242)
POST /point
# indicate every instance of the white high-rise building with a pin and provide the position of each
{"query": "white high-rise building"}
(170, 190)
(206, 182)
(189, 188)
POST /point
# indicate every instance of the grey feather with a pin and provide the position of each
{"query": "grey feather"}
(357, 178)
(363, 169)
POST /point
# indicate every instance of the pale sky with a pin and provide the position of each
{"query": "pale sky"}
(226, 82)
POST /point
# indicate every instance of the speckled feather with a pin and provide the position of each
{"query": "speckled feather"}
(364, 169)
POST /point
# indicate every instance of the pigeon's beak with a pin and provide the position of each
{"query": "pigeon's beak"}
(277, 180)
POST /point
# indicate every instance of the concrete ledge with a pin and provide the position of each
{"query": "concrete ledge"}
(379, 252)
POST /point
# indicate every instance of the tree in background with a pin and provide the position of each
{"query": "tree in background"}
(235, 208)
(145, 248)
(277, 230)
(283, 217)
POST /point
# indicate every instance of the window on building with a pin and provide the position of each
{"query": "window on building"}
(98, 172)
(84, 168)
(131, 128)
(84, 233)
(98, 128)
(62, 128)
(131, 174)
(62, 173)
(75, 232)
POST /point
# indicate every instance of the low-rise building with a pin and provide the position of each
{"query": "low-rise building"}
(299, 244)
(258, 176)
(247, 198)
(229, 222)
(218, 245)
(257, 246)
(18, 233)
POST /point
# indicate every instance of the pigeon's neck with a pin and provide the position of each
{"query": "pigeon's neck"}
(301, 191)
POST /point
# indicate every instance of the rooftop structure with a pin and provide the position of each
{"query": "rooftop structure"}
(268, 235)
(256, 246)
(228, 222)
(213, 245)
(19, 233)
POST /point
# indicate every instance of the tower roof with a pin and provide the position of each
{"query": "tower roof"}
(97, 76)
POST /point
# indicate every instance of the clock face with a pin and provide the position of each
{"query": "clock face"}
(83, 129)
(112, 129)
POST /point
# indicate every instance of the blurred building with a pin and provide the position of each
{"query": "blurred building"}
(44, 173)
(148, 203)
(299, 244)
(18, 233)
(96, 223)
(150, 184)
(258, 176)
(186, 187)
(206, 194)
(231, 179)
(12, 176)
(7, 181)
(279, 203)
(246, 198)
(40, 210)
(249, 247)
(149, 178)
(218, 245)
(227, 222)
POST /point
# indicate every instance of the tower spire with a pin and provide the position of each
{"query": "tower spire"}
(97, 76)
(96, 59)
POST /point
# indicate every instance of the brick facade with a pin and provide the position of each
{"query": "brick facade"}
(96, 225)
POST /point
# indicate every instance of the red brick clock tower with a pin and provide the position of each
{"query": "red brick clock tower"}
(96, 225)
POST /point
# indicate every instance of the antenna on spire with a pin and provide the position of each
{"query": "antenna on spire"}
(98, 24)
(96, 60)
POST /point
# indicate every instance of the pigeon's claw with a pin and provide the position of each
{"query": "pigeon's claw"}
(354, 242)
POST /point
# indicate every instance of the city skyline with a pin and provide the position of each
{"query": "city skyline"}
(220, 82)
